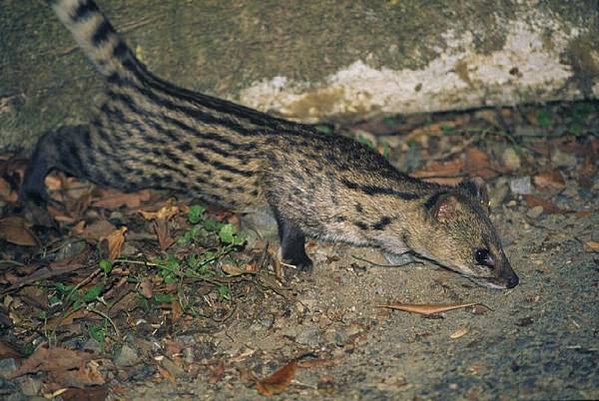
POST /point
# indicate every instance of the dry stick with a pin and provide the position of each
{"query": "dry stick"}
(105, 316)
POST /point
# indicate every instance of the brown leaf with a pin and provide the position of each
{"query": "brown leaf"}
(98, 230)
(441, 173)
(162, 230)
(115, 240)
(278, 381)
(64, 366)
(552, 179)
(548, 207)
(586, 173)
(79, 228)
(14, 230)
(591, 246)
(111, 199)
(217, 372)
(89, 393)
(7, 193)
(428, 309)
(164, 213)
(8, 351)
(176, 310)
(477, 163)
(145, 288)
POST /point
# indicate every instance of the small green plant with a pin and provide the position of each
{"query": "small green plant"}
(365, 141)
(324, 129)
(545, 119)
(106, 266)
(98, 332)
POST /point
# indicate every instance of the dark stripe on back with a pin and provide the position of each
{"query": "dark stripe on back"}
(382, 223)
(373, 190)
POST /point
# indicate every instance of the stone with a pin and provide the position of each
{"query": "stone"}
(126, 356)
(510, 159)
(521, 186)
(535, 212)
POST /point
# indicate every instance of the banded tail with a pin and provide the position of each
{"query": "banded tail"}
(97, 38)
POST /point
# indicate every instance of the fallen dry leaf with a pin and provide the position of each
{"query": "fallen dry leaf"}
(217, 372)
(162, 230)
(115, 240)
(176, 310)
(90, 393)
(14, 230)
(278, 381)
(8, 351)
(441, 173)
(164, 213)
(145, 288)
(7, 194)
(111, 199)
(591, 246)
(458, 333)
(552, 179)
(477, 163)
(98, 230)
(428, 309)
(548, 207)
(64, 367)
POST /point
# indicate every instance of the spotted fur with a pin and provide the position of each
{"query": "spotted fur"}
(151, 133)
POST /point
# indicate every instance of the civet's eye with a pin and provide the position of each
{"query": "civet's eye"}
(483, 257)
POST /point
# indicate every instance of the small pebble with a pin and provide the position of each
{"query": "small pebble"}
(535, 212)
(126, 356)
(521, 186)
(595, 236)
(510, 159)
(29, 386)
(561, 159)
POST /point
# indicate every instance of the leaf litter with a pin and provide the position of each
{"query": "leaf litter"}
(145, 267)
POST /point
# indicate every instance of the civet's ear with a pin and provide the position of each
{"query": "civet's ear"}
(476, 188)
(443, 207)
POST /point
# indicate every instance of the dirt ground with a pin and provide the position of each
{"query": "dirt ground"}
(135, 333)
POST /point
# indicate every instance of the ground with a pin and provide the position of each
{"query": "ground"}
(180, 306)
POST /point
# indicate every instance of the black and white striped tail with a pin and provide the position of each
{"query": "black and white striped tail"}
(96, 37)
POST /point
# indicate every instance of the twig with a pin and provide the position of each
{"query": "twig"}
(105, 316)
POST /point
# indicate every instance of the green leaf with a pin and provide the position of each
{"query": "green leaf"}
(545, 119)
(97, 332)
(323, 128)
(106, 266)
(228, 235)
(163, 298)
(367, 142)
(212, 225)
(223, 292)
(195, 213)
(93, 293)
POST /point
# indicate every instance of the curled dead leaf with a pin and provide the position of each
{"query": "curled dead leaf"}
(591, 246)
(548, 207)
(111, 199)
(552, 179)
(115, 241)
(446, 173)
(164, 213)
(14, 230)
(278, 381)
